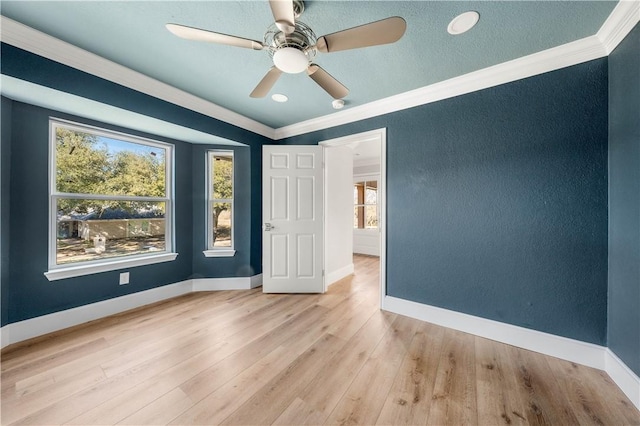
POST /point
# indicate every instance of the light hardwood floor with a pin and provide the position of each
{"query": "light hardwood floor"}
(243, 357)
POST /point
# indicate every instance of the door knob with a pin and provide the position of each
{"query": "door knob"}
(268, 227)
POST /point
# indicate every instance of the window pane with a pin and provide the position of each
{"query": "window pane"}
(92, 164)
(98, 229)
(222, 169)
(371, 196)
(372, 216)
(222, 224)
(358, 217)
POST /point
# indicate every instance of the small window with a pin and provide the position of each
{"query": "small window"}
(110, 196)
(365, 200)
(220, 203)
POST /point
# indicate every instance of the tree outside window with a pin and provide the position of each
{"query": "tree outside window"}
(220, 200)
(109, 195)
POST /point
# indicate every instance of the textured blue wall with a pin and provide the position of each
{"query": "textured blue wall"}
(497, 201)
(36, 69)
(5, 168)
(624, 201)
(30, 293)
(238, 265)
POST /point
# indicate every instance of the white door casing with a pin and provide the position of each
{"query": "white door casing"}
(380, 136)
(293, 222)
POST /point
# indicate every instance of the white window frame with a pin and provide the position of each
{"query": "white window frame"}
(57, 272)
(212, 251)
(368, 178)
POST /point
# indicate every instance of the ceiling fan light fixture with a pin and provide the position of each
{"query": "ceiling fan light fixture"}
(290, 60)
(463, 22)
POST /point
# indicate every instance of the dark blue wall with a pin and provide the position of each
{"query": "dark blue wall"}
(256, 209)
(238, 265)
(5, 168)
(624, 201)
(25, 137)
(497, 201)
(36, 69)
(30, 293)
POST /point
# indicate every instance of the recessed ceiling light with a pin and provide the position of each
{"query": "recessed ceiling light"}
(463, 22)
(279, 97)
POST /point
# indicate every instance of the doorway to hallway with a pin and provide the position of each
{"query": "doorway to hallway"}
(341, 158)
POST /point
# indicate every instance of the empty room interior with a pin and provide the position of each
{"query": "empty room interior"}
(320, 212)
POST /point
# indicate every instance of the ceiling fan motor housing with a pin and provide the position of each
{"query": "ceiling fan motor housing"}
(298, 8)
(291, 53)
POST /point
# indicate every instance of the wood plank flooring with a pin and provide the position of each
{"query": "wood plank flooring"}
(243, 357)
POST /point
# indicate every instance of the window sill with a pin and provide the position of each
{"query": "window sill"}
(80, 270)
(219, 253)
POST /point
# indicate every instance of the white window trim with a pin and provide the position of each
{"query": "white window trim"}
(219, 252)
(111, 265)
(57, 272)
(212, 251)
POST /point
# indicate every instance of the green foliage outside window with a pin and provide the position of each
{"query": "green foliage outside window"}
(222, 174)
(86, 165)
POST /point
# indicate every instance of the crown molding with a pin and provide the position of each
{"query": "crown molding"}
(566, 55)
(34, 41)
(620, 22)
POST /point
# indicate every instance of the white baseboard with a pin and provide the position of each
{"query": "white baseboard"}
(339, 274)
(256, 281)
(232, 283)
(560, 347)
(549, 344)
(370, 251)
(34, 327)
(572, 350)
(622, 375)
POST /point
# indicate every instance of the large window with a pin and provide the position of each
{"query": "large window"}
(219, 203)
(110, 198)
(365, 200)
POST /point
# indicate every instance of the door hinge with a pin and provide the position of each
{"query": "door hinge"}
(323, 272)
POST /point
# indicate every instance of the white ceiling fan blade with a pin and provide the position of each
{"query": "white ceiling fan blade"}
(197, 34)
(385, 31)
(327, 82)
(266, 83)
(283, 14)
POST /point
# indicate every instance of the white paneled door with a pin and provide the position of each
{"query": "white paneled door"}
(292, 231)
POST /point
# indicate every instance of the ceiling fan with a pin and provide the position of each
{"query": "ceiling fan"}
(293, 45)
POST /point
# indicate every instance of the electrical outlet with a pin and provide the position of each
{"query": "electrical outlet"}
(124, 278)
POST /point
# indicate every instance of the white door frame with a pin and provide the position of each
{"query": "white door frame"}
(372, 136)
